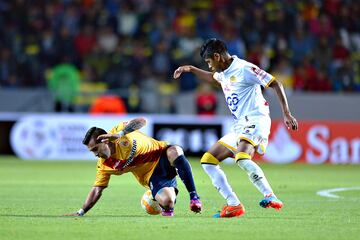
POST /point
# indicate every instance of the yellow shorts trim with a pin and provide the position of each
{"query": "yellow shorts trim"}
(262, 148)
(227, 146)
(208, 158)
(268, 84)
(248, 140)
(242, 155)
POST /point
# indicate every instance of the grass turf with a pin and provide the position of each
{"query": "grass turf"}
(34, 195)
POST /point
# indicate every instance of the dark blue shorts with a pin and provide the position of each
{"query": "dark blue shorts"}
(164, 175)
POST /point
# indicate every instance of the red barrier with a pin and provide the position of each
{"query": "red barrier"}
(315, 142)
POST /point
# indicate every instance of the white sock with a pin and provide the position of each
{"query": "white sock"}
(256, 176)
(220, 182)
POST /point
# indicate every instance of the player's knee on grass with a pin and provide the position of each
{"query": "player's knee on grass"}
(167, 202)
(166, 197)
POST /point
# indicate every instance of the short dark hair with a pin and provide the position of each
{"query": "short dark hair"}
(211, 46)
(93, 133)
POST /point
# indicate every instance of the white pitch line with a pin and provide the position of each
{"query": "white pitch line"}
(329, 192)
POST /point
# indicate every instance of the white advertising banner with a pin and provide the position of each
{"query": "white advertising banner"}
(58, 137)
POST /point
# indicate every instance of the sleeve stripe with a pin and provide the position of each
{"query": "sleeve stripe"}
(268, 84)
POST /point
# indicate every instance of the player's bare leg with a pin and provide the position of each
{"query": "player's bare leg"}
(166, 198)
(243, 158)
(210, 163)
(178, 160)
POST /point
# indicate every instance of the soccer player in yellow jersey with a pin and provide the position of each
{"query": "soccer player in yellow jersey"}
(153, 163)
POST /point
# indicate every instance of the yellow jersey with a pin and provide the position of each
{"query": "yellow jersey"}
(134, 152)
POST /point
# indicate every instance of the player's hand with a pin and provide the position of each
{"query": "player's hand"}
(106, 138)
(180, 70)
(290, 122)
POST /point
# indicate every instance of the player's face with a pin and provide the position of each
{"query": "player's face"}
(214, 62)
(99, 149)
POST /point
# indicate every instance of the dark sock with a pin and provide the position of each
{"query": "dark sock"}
(167, 209)
(184, 170)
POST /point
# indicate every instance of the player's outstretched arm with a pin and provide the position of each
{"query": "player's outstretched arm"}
(132, 125)
(93, 196)
(289, 120)
(201, 74)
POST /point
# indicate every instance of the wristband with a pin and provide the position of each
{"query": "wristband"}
(81, 212)
(121, 133)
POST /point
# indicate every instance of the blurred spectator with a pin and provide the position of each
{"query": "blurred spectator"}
(7, 69)
(234, 43)
(85, 40)
(65, 48)
(64, 84)
(108, 104)
(284, 73)
(48, 48)
(71, 19)
(203, 24)
(344, 78)
(206, 100)
(111, 40)
(98, 60)
(340, 53)
(257, 55)
(323, 54)
(300, 45)
(300, 78)
(161, 62)
(321, 83)
(127, 19)
(321, 26)
(107, 40)
(149, 86)
(133, 99)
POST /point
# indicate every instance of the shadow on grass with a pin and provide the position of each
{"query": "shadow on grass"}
(281, 218)
(124, 216)
(94, 217)
(62, 216)
(30, 215)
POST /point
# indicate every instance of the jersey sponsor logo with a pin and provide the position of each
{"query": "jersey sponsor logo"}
(132, 154)
(121, 164)
(261, 74)
(249, 129)
(232, 102)
(124, 143)
(226, 88)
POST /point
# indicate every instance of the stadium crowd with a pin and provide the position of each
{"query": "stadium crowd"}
(309, 45)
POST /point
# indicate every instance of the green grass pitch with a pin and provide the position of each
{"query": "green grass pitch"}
(35, 194)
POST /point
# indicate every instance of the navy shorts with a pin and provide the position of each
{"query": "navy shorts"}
(164, 175)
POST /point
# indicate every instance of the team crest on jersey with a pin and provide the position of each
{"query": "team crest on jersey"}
(124, 143)
(226, 88)
(232, 79)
